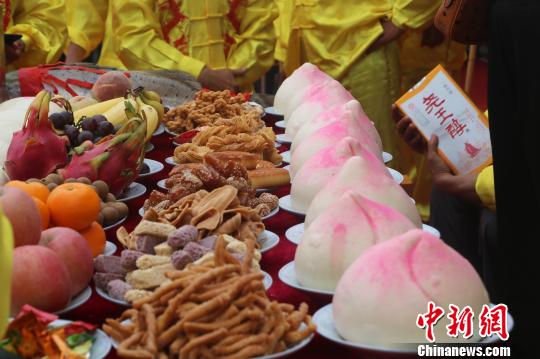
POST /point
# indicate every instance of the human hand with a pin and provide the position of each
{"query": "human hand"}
(14, 51)
(432, 37)
(390, 33)
(220, 79)
(408, 131)
(74, 54)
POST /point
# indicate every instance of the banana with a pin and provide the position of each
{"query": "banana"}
(117, 114)
(152, 119)
(96, 109)
(152, 95)
(155, 104)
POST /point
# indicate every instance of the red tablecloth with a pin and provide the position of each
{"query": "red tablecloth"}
(97, 309)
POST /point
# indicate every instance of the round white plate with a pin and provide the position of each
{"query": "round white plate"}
(161, 184)
(106, 296)
(267, 280)
(286, 156)
(170, 161)
(119, 222)
(101, 346)
(324, 319)
(141, 211)
(281, 124)
(398, 177)
(287, 274)
(284, 139)
(169, 131)
(295, 233)
(159, 130)
(77, 301)
(263, 190)
(277, 144)
(431, 230)
(268, 240)
(149, 147)
(286, 204)
(153, 166)
(110, 248)
(272, 111)
(387, 157)
(257, 106)
(290, 350)
(271, 214)
(288, 168)
(133, 191)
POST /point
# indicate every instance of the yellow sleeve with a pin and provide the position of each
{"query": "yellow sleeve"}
(255, 40)
(85, 20)
(414, 13)
(41, 24)
(485, 187)
(6, 257)
(139, 41)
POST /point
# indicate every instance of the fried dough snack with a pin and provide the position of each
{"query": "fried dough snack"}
(217, 309)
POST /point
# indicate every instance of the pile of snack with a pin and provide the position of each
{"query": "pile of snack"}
(218, 308)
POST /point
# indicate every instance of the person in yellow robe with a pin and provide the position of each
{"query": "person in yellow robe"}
(354, 41)
(42, 26)
(85, 20)
(223, 43)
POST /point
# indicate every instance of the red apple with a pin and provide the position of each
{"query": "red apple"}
(23, 215)
(40, 279)
(74, 252)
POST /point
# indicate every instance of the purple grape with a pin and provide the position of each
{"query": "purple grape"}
(72, 132)
(99, 119)
(85, 136)
(105, 128)
(89, 124)
(68, 117)
(57, 120)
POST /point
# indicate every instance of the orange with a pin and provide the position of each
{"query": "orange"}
(73, 205)
(43, 212)
(34, 189)
(96, 238)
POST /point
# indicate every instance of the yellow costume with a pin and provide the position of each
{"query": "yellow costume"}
(42, 26)
(6, 255)
(86, 23)
(485, 187)
(335, 36)
(189, 35)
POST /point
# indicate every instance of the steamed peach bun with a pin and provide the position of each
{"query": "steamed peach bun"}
(380, 296)
(342, 233)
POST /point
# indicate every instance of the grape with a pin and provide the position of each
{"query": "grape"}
(72, 132)
(85, 136)
(99, 119)
(57, 120)
(68, 117)
(105, 128)
(89, 124)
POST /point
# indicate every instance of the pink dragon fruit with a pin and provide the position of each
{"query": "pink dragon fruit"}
(36, 150)
(116, 159)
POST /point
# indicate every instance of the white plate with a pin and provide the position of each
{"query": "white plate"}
(110, 248)
(116, 224)
(271, 214)
(169, 131)
(398, 177)
(106, 296)
(170, 161)
(286, 156)
(431, 230)
(101, 346)
(290, 350)
(324, 319)
(268, 240)
(288, 168)
(263, 190)
(287, 274)
(272, 111)
(149, 147)
(295, 233)
(387, 157)
(285, 203)
(161, 184)
(277, 144)
(153, 166)
(77, 301)
(284, 139)
(267, 280)
(141, 211)
(281, 124)
(159, 130)
(257, 106)
(133, 191)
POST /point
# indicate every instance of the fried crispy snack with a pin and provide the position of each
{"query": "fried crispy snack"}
(190, 153)
(216, 309)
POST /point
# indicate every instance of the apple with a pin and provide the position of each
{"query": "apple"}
(23, 215)
(74, 252)
(39, 279)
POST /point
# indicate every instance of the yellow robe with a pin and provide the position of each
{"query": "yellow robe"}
(6, 256)
(42, 26)
(189, 35)
(86, 23)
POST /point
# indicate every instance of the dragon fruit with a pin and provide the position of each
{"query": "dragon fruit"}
(116, 159)
(36, 150)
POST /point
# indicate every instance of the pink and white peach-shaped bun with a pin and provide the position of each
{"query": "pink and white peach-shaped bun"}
(297, 83)
(380, 296)
(318, 170)
(311, 104)
(369, 176)
(340, 235)
(351, 110)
